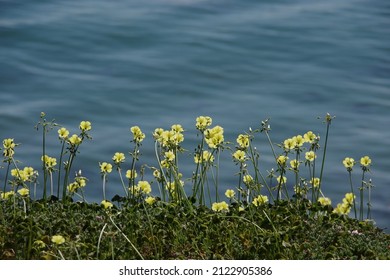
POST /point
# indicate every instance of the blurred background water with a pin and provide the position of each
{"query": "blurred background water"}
(160, 62)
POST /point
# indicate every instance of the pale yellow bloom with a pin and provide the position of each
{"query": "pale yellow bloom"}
(203, 122)
(58, 239)
(299, 141)
(106, 204)
(131, 174)
(349, 198)
(138, 135)
(282, 160)
(281, 180)
(243, 141)
(105, 167)
(309, 137)
(63, 133)
(206, 157)
(49, 162)
(118, 158)
(73, 187)
(9, 143)
(348, 163)
(315, 182)
(289, 144)
(177, 128)
(294, 164)
(324, 201)
(7, 195)
(239, 156)
(260, 200)
(365, 161)
(248, 179)
(310, 156)
(150, 200)
(158, 133)
(220, 207)
(24, 192)
(170, 156)
(144, 186)
(85, 126)
(230, 193)
(74, 140)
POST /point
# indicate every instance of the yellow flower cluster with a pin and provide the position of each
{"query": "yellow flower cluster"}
(365, 161)
(203, 122)
(298, 141)
(281, 160)
(50, 162)
(9, 147)
(170, 139)
(138, 135)
(63, 133)
(310, 156)
(214, 137)
(294, 164)
(80, 182)
(131, 174)
(150, 200)
(85, 126)
(315, 182)
(248, 179)
(25, 174)
(74, 140)
(345, 207)
(7, 195)
(260, 200)
(220, 207)
(143, 187)
(206, 157)
(348, 163)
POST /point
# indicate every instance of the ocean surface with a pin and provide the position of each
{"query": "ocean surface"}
(156, 63)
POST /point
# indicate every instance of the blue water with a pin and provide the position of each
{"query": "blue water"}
(159, 62)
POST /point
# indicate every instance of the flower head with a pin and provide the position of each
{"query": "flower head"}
(365, 161)
(348, 163)
(315, 182)
(58, 239)
(310, 156)
(206, 157)
(9, 143)
(294, 164)
(324, 201)
(138, 135)
(150, 200)
(220, 207)
(260, 200)
(131, 174)
(24, 192)
(105, 167)
(230, 193)
(170, 156)
(239, 156)
(85, 126)
(203, 122)
(118, 158)
(309, 137)
(243, 141)
(74, 140)
(282, 160)
(248, 179)
(63, 133)
(106, 204)
(144, 187)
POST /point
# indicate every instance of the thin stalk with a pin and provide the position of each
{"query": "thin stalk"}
(123, 183)
(325, 147)
(350, 183)
(59, 172)
(104, 186)
(6, 176)
(100, 239)
(362, 197)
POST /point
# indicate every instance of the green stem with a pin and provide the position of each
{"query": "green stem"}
(324, 154)
(59, 172)
(362, 198)
(354, 203)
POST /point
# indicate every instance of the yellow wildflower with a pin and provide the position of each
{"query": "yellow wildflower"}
(310, 156)
(281, 180)
(309, 137)
(348, 163)
(239, 155)
(131, 174)
(105, 167)
(118, 158)
(150, 200)
(260, 200)
(7, 195)
(299, 141)
(63, 133)
(106, 204)
(289, 144)
(9, 143)
(73, 187)
(206, 157)
(349, 198)
(324, 201)
(170, 156)
(294, 164)
(315, 182)
(282, 160)
(177, 128)
(85, 126)
(138, 135)
(243, 141)
(144, 186)
(365, 161)
(74, 140)
(203, 122)
(24, 192)
(58, 239)
(220, 207)
(230, 193)
(248, 179)
(157, 134)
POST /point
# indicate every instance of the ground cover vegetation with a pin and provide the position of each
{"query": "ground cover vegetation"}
(174, 216)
